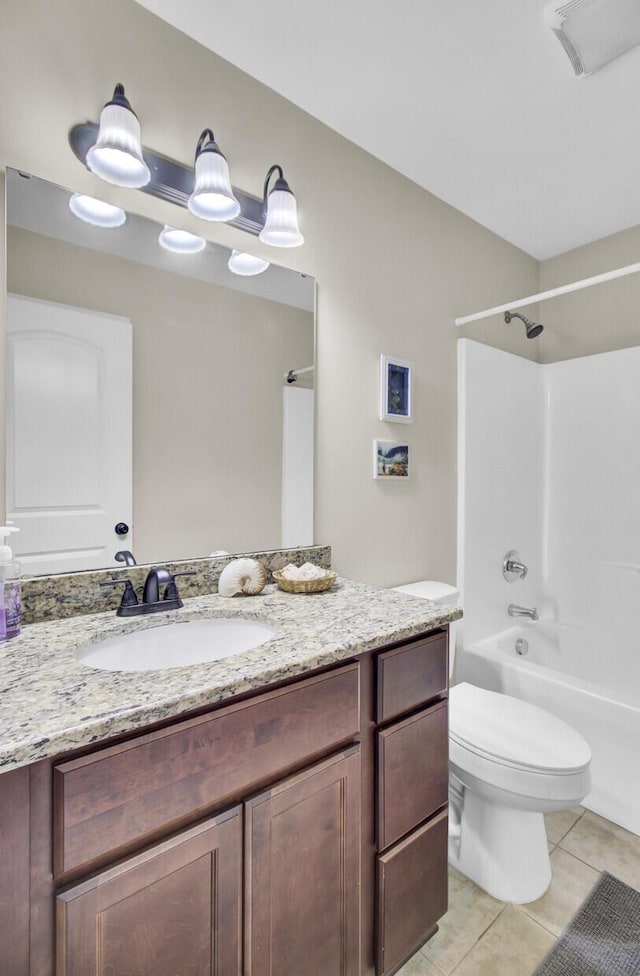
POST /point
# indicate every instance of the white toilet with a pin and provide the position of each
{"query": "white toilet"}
(509, 763)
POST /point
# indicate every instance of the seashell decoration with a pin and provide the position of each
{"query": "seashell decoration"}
(242, 576)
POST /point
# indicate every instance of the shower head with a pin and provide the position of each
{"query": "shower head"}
(533, 328)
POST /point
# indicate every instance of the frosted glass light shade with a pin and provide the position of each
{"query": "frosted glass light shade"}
(213, 197)
(96, 212)
(180, 241)
(117, 155)
(281, 224)
(246, 264)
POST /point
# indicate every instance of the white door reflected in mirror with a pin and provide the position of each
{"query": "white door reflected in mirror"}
(69, 434)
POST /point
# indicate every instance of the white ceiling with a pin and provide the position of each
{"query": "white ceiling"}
(475, 100)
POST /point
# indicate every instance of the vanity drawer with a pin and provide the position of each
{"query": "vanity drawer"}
(412, 893)
(117, 797)
(410, 675)
(413, 770)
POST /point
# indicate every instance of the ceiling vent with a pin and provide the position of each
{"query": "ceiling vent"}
(594, 32)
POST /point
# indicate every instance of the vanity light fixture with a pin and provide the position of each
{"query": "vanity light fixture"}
(281, 222)
(213, 197)
(117, 155)
(241, 263)
(180, 241)
(112, 151)
(96, 212)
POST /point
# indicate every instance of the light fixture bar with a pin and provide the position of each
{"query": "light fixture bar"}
(542, 296)
(170, 180)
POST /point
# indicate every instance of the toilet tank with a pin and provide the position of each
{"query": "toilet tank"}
(434, 590)
(442, 593)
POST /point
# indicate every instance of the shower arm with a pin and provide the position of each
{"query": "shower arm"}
(516, 315)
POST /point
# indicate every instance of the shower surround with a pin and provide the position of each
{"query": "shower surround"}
(549, 465)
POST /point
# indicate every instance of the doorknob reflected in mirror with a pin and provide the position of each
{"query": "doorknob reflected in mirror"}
(121, 528)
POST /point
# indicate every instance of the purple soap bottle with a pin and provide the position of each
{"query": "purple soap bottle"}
(10, 599)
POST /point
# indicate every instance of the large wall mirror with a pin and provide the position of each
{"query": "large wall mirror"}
(148, 404)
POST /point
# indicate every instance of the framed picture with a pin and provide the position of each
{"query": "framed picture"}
(390, 459)
(395, 390)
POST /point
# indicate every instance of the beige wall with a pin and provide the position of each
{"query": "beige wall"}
(598, 319)
(394, 264)
(208, 364)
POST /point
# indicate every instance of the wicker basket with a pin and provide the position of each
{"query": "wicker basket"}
(305, 586)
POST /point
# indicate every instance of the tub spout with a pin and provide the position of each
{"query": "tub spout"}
(516, 611)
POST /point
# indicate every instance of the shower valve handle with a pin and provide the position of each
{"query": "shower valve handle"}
(512, 567)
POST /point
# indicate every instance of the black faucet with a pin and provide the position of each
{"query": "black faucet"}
(125, 556)
(157, 576)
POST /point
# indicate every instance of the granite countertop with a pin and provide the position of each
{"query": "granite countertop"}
(51, 703)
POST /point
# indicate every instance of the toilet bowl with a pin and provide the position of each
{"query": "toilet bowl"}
(510, 762)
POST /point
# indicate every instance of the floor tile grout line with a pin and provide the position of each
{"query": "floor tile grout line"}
(589, 864)
(556, 843)
(523, 911)
(506, 905)
(479, 939)
(581, 859)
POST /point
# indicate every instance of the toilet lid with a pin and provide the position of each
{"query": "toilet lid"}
(512, 732)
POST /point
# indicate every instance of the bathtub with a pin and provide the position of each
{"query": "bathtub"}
(577, 677)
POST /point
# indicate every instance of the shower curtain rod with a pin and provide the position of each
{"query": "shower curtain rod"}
(552, 293)
(291, 376)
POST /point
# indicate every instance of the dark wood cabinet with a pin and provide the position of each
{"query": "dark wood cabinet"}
(413, 772)
(298, 830)
(176, 908)
(412, 893)
(14, 872)
(117, 797)
(411, 674)
(412, 767)
(303, 871)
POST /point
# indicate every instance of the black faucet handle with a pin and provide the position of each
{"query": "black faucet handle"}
(171, 589)
(129, 597)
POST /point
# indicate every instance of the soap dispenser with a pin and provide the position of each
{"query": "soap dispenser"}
(10, 603)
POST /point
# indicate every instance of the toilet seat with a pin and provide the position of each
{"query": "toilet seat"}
(515, 746)
(513, 732)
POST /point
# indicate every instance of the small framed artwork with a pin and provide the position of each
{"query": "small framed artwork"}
(395, 390)
(390, 459)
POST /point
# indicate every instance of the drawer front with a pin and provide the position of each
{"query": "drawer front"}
(411, 675)
(412, 894)
(114, 798)
(413, 770)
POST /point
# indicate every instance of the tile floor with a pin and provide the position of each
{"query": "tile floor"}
(480, 936)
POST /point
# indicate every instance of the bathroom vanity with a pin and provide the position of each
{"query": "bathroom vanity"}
(289, 823)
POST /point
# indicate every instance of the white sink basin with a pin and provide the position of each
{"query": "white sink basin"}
(176, 645)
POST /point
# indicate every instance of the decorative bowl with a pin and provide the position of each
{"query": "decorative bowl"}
(305, 586)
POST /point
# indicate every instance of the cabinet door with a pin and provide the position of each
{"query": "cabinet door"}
(176, 908)
(302, 856)
(14, 872)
